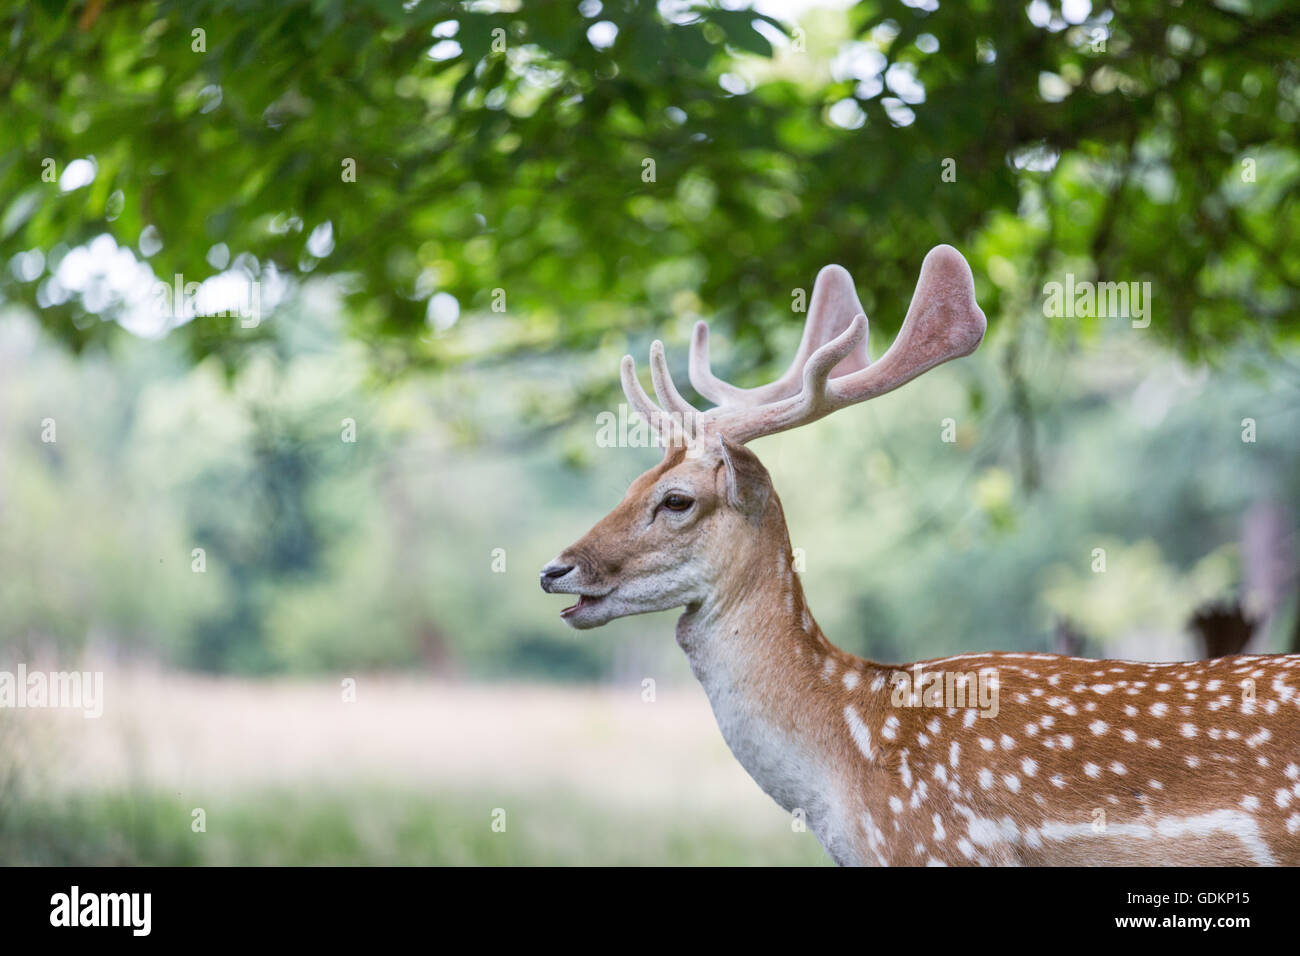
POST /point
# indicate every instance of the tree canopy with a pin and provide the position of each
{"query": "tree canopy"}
(538, 183)
(540, 175)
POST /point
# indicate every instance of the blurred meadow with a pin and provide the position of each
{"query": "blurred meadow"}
(341, 464)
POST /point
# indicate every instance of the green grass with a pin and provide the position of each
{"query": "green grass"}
(377, 827)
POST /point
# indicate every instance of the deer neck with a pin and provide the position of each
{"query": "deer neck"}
(774, 681)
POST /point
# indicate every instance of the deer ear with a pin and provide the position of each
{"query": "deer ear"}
(748, 484)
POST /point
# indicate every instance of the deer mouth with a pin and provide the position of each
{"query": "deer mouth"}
(585, 601)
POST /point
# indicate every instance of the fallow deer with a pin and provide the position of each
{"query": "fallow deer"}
(984, 758)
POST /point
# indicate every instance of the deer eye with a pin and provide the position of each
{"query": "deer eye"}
(676, 502)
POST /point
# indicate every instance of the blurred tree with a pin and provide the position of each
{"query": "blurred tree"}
(490, 182)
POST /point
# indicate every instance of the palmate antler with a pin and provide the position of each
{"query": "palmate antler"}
(830, 370)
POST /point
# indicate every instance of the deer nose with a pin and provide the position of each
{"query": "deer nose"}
(553, 572)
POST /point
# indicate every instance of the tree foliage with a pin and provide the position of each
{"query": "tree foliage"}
(501, 150)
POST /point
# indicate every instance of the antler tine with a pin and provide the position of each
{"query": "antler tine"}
(637, 397)
(835, 296)
(665, 390)
(833, 306)
(830, 356)
(701, 375)
(943, 322)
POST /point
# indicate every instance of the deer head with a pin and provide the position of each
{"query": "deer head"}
(697, 526)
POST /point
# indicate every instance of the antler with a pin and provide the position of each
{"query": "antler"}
(831, 369)
(833, 306)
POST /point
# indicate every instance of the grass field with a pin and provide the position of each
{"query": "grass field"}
(413, 773)
(363, 827)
